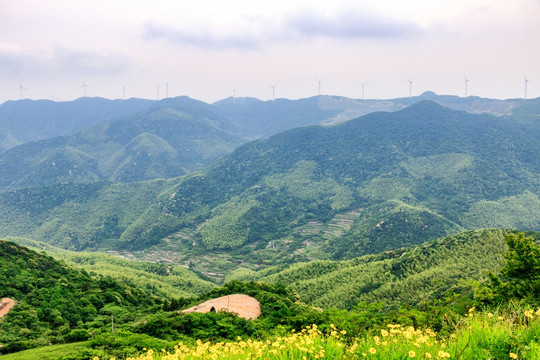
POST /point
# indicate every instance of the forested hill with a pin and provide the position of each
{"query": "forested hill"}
(55, 301)
(29, 120)
(408, 275)
(133, 140)
(372, 184)
(171, 138)
(410, 175)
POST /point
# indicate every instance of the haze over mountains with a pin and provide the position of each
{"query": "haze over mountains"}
(375, 183)
(135, 140)
(28, 120)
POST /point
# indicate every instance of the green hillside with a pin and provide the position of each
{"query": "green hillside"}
(376, 183)
(170, 138)
(438, 164)
(161, 279)
(409, 275)
(425, 286)
(57, 303)
(78, 216)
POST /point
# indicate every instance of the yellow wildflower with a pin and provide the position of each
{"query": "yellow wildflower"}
(500, 318)
(428, 356)
(489, 315)
(412, 354)
(443, 354)
(372, 350)
(513, 356)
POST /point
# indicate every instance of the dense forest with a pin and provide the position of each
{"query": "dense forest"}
(343, 231)
(59, 304)
(371, 184)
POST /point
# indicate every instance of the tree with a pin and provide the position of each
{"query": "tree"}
(519, 278)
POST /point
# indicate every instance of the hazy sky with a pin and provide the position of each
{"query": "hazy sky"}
(205, 48)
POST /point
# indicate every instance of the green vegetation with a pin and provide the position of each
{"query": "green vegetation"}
(160, 279)
(412, 275)
(409, 177)
(56, 303)
(485, 335)
(77, 216)
(444, 312)
(170, 138)
(51, 352)
(519, 278)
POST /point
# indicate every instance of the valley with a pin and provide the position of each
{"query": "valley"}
(389, 217)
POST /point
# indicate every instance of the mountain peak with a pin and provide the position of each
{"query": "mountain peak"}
(428, 95)
(427, 105)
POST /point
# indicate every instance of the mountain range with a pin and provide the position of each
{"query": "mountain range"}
(133, 140)
(327, 210)
(372, 184)
(29, 120)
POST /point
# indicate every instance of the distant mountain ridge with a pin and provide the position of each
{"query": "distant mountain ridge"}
(168, 139)
(133, 140)
(376, 183)
(29, 120)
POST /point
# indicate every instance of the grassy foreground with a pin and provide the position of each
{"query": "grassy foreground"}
(52, 352)
(485, 335)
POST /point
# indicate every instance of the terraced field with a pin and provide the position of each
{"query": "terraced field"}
(306, 244)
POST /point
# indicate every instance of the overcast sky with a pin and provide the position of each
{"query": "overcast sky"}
(206, 48)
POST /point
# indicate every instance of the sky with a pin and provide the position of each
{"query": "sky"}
(212, 49)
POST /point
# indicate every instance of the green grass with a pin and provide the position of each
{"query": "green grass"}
(507, 335)
(51, 352)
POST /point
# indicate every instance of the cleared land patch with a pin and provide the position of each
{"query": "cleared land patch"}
(244, 306)
(5, 305)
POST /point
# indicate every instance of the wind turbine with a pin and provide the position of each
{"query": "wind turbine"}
(84, 86)
(158, 92)
(21, 88)
(124, 91)
(526, 81)
(273, 91)
(466, 85)
(410, 86)
(319, 83)
(234, 95)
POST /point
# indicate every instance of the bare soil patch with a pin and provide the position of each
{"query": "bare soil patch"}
(5, 305)
(244, 306)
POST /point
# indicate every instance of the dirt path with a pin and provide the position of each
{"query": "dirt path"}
(244, 306)
(5, 305)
